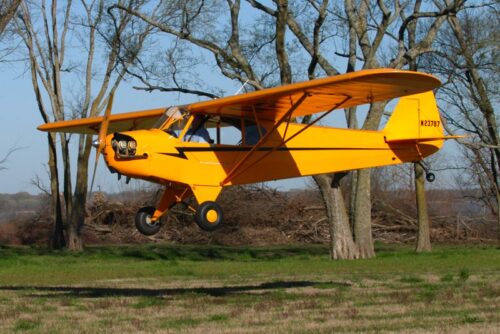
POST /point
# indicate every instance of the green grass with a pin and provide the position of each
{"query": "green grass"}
(40, 266)
(152, 288)
(26, 325)
(145, 302)
(464, 274)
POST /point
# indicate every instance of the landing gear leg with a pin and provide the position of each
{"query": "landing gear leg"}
(430, 177)
(208, 215)
(147, 219)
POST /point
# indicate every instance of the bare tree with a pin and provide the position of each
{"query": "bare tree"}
(6, 156)
(376, 25)
(468, 60)
(45, 33)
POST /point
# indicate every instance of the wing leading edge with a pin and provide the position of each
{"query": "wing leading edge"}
(359, 87)
(119, 122)
(340, 91)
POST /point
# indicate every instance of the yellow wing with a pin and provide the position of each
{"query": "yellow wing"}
(340, 91)
(119, 122)
(354, 88)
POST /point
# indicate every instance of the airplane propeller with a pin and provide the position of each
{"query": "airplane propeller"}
(99, 143)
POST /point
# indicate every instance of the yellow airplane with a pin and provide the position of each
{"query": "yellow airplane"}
(173, 147)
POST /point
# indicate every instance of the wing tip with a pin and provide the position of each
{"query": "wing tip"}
(434, 82)
(43, 127)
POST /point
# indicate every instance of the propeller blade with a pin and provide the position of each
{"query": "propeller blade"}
(103, 131)
(94, 172)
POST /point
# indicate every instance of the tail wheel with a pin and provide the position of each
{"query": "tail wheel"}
(208, 216)
(143, 221)
(430, 177)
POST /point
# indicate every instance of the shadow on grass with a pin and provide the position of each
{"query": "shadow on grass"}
(99, 292)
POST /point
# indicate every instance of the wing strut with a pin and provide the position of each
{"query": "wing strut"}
(235, 172)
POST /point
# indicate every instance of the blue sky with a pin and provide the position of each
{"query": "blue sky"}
(19, 118)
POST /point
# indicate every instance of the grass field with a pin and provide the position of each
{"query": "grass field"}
(162, 288)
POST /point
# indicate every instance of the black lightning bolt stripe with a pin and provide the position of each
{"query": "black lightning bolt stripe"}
(181, 150)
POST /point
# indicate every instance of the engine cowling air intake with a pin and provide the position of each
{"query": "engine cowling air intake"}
(124, 146)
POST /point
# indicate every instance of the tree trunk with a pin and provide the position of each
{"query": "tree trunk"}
(342, 246)
(74, 238)
(79, 207)
(352, 198)
(362, 216)
(68, 201)
(498, 217)
(57, 239)
(423, 239)
(363, 207)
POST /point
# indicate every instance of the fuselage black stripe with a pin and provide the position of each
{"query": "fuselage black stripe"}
(266, 148)
(183, 150)
(244, 149)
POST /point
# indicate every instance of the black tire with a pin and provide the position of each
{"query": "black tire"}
(430, 177)
(208, 216)
(143, 221)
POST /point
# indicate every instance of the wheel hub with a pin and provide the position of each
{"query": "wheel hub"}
(150, 221)
(212, 216)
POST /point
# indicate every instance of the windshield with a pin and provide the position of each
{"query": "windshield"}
(174, 119)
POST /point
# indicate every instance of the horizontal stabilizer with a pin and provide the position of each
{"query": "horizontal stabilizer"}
(421, 140)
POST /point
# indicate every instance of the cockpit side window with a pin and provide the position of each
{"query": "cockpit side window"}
(237, 131)
(253, 133)
(210, 129)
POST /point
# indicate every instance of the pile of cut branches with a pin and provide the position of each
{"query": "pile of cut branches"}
(253, 215)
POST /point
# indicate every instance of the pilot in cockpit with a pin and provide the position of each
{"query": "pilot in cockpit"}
(197, 132)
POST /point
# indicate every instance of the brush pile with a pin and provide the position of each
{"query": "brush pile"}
(253, 215)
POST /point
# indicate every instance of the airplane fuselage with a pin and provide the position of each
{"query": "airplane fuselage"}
(163, 158)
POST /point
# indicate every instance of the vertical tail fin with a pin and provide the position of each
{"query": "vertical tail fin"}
(415, 118)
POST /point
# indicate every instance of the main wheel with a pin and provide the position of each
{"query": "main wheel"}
(143, 221)
(208, 216)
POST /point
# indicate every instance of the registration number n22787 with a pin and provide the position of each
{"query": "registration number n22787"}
(431, 123)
